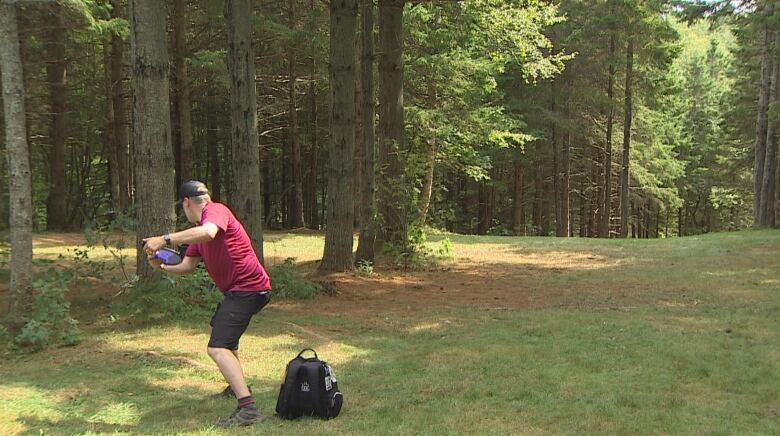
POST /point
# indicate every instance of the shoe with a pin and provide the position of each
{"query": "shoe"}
(241, 417)
(228, 393)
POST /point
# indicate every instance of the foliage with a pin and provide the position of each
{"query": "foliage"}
(192, 296)
(364, 268)
(50, 321)
(288, 283)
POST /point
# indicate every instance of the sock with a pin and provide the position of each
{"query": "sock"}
(247, 402)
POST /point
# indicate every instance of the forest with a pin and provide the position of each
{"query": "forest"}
(486, 216)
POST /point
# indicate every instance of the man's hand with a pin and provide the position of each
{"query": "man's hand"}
(151, 245)
(155, 263)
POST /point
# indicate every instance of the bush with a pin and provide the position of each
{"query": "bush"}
(193, 296)
(417, 256)
(50, 322)
(364, 268)
(287, 282)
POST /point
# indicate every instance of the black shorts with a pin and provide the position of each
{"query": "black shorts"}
(232, 317)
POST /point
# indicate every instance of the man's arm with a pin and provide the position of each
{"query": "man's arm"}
(203, 233)
(188, 265)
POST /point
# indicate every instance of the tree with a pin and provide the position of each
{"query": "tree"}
(120, 142)
(154, 163)
(392, 200)
(56, 68)
(297, 170)
(185, 165)
(17, 153)
(246, 194)
(338, 237)
(625, 200)
(367, 240)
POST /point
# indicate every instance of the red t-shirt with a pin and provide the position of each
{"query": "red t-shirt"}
(230, 258)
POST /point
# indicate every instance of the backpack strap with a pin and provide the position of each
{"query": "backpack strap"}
(305, 350)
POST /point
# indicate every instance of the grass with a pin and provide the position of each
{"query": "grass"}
(626, 337)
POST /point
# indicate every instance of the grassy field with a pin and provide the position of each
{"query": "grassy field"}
(513, 336)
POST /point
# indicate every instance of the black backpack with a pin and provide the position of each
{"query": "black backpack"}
(309, 388)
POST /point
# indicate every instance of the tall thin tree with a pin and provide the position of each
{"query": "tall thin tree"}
(18, 155)
(185, 167)
(56, 73)
(154, 164)
(625, 200)
(393, 201)
(297, 220)
(366, 242)
(338, 236)
(246, 198)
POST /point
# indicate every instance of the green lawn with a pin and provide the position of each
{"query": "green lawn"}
(665, 336)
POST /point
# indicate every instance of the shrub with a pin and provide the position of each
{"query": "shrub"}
(287, 282)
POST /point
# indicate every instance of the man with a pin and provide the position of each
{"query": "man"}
(223, 244)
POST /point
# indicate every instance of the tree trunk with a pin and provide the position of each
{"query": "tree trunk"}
(365, 250)
(538, 189)
(18, 155)
(606, 204)
(430, 155)
(767, 199)
(313, 215)
(565, 185)
(518, 209)
(297, 218)
(392, 143)
(109, 148)
(183, 98)
(338, 234)
(56, 67)
(767, 62)
(583, 206)
(625, 201)
(120, 130)
(151, 125)
(212, 147)
(554, 140)
(246, 197)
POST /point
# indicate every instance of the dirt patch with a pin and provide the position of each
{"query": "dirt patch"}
(498, 279)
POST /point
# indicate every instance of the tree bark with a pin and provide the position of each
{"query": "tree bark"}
(246, 196)
(430, 155)
(313, 214)
(554, 140)
(183, 97)
(606, 204)
(625, 201)
(56, 68)
(518, 209)
(212, 147)
(18, 155)
(297, 173)
(120, 130)
(393, 201)
(338, 234)
(565, 185)
(109, 149)
(154, 162)
(767, 62)
(367, 240)
(538, 189)
(767, 199)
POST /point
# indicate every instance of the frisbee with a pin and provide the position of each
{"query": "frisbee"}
(168, 256)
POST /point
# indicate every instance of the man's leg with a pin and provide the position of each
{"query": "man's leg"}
(230, 367)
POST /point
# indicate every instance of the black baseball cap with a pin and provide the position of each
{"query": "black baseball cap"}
(192, 188)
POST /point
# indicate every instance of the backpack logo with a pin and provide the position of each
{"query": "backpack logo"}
(305, 387)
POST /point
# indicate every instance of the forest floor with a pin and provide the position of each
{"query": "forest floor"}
(512, 336)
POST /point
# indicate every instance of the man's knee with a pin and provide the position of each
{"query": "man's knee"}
(215, 352)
